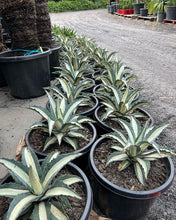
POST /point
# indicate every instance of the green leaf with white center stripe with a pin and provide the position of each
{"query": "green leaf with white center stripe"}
(153, 134)
(19, 204)
(69, 179)
(139, 173)
(42, 111)
(60, 190)
(57, 214)
(116, 156)
(49, 141)
(11, 190)
(123, 165)
(118, 136)
(56, 165)
(18, 169)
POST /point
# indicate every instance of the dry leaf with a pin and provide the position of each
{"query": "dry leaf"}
(132, 188)
(19, 148)
(95, 216)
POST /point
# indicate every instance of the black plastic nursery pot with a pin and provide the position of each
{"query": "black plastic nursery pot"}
(26, 75)
(143, 12)
(76, 171)
(171, 13)
(82, 161)
(120, 203)
(2, 79)
(137, 7)
(161, 16)
(103, 128)
(54, 60)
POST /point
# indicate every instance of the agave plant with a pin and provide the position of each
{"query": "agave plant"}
(138, 147)
(74, 69)
(121, 105)
(117, 74)
(62, 124)
(36, 189)
(71, 92)
(101, 56)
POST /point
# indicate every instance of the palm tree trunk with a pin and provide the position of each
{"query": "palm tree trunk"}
(20, 16)
(43, 23)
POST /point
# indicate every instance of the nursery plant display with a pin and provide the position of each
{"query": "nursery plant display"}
(41, 190)
(113, 176)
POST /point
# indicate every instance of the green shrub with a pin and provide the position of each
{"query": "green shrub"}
(75, 5)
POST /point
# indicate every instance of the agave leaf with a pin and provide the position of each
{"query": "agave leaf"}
(18, 170)
(69, 179)
(52, 103)
(137, 104)
(35, 181)
(11, 190)
(37, 125)
(155, 132)
(55, 166)
(71, 108)
(123, 165)
(129, 130)
(117, 93)
(122, 107)
(42, 111)
(144, 165)
(139, 172)
(57, 214)
(40, 211)
(31, 161)
(125, 95)
(60, 137)
(116, 156)
(72, 141)
(62, 189)
(51, 156)
(19, 204)
(118, 136)
(49, 141)
(116, 147)
(135, 126)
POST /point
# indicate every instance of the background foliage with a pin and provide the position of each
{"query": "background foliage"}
(75, 5)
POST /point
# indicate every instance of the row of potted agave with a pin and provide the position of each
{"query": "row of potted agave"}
(102, 130)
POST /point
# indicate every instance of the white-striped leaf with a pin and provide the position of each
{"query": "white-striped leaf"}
(18, 170)
(116, 156)
(118, 136)
(19, 204)
(57, 214)
(49, 141)
(11, 190)
(72, 141)
(60, 191)
(123, 165)
(144, 164)
(42, 111)
(155, 132)
(139, 173)
(56, 165)
(69, 179)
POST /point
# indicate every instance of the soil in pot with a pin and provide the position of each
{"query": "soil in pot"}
(126, 178)
(78, 206)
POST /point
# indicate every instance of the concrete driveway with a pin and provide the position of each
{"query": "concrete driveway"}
(148, 48)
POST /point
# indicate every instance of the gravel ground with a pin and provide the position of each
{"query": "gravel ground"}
(149, 49)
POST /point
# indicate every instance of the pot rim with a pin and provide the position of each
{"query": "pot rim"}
(126, 192)
(4, 59)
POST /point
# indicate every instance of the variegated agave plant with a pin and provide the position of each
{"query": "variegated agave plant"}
(138, 147)
(117, 74)
(70, 92)
(36, 189)
(74, 68)
(121, 104)
(62, 122)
